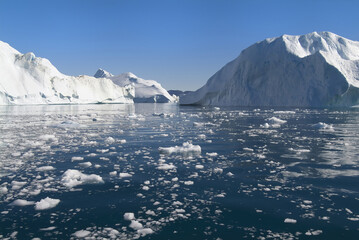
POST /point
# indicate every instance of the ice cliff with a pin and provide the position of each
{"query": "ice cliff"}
(146, 91)
(26, 79)
(316, 69)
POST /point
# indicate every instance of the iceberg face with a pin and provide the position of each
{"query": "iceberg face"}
(312, 70)
(27, 79)
(146, 91)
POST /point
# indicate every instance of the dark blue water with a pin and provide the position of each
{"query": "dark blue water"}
(251, 180)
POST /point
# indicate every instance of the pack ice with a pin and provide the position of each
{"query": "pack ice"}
(27, 79)
(146, 91)
(316, 69)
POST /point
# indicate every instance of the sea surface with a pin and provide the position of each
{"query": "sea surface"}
(114, 171)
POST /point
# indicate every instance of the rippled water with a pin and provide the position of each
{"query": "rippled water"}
(254, 177)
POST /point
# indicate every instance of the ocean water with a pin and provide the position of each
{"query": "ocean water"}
(236, 173)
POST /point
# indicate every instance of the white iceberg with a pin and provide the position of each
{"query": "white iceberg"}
(27, 79)
(312, 70)
(146, 91)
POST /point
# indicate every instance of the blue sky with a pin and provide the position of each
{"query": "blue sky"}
(179, 43)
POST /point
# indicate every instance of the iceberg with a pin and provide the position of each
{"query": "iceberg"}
(312, 70)
(146, 91)
(27, 79)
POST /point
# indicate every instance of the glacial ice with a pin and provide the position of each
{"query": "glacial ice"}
(27, 79)
(148, 91)
(312, 70)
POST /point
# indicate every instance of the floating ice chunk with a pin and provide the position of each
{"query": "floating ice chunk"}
(109, 140)
(122, 141)
(125, 175)
(146, 188)
(289, 220)
(216, 109)
(275, 120)
(218, 170)
(248, 149)
(186, 148)
(145, 231)
(17, 185)
(166, 166)
(174, 179)
(45, 168)
(150, 212)
(129, 216)
(3, 190)
(136, 225)
(22, 203)
(72, 178)
(202, 136)
(322, 125)
(212, 154)
(85, 164)
(188, 183)
(46, 203)
(81, 233)
(77, 158)
(199, 166)
(114, 173)
(48, 228)
(229, 174)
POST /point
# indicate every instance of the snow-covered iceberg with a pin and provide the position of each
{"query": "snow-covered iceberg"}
(146, 91)
(26, 79)
(316, 69)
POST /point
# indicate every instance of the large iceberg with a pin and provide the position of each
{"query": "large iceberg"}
(316, 69)
(26, 79)
(146, 91)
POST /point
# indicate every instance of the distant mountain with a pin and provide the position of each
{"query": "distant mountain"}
(316, 69)
(146, 91)
(27, 79)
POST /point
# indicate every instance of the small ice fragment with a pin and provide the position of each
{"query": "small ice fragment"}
(218, 170)
(136, 225)
(125, 175)
(188, 183)
(77, 158)
(22, 203)
(109, 140)
(212, 154)
(166, 166)
(72, 178)
(184, 149)
(3, 190)
(199, 166)
(129, 216)
(229, 174)
(322, 125)
(289, 220)
(85, 164)
(46, 203)
(45, 168)
(143, 232)
(82, 233)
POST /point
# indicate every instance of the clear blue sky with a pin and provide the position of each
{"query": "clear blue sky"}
(179, 43)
